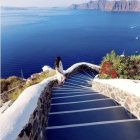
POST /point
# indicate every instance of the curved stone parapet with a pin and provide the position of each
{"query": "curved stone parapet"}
(38, 120)
(26, 116)
(82, 66)
(129, 101)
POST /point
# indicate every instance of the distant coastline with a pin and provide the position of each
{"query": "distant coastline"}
(112, 6)
(14, 8)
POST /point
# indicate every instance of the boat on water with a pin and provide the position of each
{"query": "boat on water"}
(123, 54)
(132, 27)
(137, 37)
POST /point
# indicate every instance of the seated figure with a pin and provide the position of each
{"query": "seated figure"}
(59, 71)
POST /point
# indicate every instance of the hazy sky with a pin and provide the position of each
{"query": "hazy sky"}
(40, 3)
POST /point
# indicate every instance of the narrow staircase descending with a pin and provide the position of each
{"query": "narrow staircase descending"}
(80, 113)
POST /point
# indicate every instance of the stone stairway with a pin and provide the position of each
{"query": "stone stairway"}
(80, 113)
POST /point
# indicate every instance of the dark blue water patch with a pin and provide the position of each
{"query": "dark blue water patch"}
(35, 38)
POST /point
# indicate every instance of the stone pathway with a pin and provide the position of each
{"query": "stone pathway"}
(79, 113)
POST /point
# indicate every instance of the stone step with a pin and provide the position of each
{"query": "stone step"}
(88, 116)
(65, 94)
(78, 98)
(110, 130)
(81, 77)
(82, 105)
(56, 90)
(75, 85)
(76, 81)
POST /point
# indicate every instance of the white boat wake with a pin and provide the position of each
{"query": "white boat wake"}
(132, 27)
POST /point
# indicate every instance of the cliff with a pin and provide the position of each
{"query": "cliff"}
(108, 5)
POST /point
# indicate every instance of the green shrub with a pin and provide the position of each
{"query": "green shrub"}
(11, 82)
(38, 77)
(13, 86)
(120, 66)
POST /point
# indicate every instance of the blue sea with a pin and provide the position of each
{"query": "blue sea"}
(32, 38)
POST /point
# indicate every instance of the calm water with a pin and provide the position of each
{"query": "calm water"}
(33, 38)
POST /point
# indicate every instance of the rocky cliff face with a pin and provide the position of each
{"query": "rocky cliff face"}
(106, 5)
